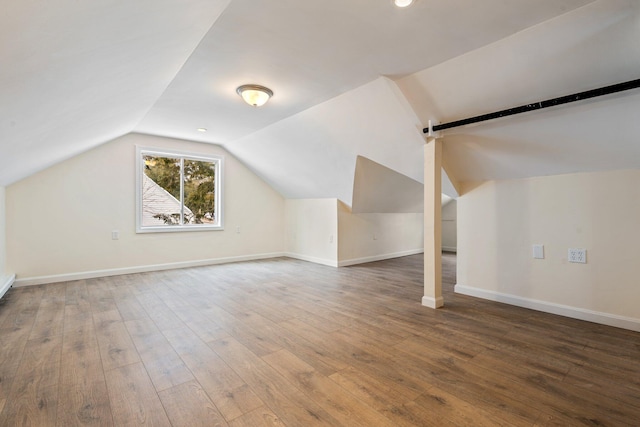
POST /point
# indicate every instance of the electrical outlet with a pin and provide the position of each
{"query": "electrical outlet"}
(331, 239)
(577, 255)
(115, 235)
(238, 230)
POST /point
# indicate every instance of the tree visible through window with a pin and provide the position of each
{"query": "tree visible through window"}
(178, 191)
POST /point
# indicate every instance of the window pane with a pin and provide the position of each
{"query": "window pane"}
(199, 192)
(160, 191)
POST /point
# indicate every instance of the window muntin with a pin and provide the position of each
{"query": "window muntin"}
(178, 191)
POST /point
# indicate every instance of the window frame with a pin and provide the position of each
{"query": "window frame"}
(218, 162)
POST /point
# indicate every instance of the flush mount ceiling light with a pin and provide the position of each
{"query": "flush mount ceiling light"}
(402, 3)
(254, 95)
(202, 130)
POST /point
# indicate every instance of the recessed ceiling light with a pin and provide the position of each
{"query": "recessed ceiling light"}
(254, 95)
(402, 3)
(202, 129)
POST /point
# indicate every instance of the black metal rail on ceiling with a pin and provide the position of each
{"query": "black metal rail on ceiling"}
(620, 87)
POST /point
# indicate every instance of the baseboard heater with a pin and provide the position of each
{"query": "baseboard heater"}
(5, 284)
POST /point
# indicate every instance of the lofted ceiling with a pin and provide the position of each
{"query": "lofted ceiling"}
(595, 46)
(356, 78)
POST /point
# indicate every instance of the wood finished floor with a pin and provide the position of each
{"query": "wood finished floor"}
(288, 343)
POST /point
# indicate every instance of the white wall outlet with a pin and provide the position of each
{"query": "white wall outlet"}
(115, 235)
(331, 239)
(577, 255)
(538, 251)
(238, 230)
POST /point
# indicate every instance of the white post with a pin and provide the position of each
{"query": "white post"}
(432, 224)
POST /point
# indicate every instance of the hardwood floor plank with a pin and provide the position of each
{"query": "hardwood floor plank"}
(157, 310)
(601, 378)
(283, 342)
(13, 342)
(265, 337)
(353, 355)
(246, 327)
(161, 361)
(100, 296)
(77, 308)
(187, 404)
(227, 390)
(49, 320)
(33, 397)
(378, 393)
(116, 347)
(83, 398)
(413, 415)
(206, 329)
(278, 394)
(445, 406)
(337, 401)
(261, 417)
(128, 305)
(22, 312)
(133, 399)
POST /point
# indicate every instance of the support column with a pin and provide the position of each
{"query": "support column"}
(433, 224)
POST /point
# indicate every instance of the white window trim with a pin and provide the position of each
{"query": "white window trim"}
(219, 200)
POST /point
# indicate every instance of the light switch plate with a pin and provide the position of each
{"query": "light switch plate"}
(538, 251)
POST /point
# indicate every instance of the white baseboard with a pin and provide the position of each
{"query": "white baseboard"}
(323, 261)
(449, 249)
(549, 307)
(432, 302)
(39, 280)
(6, 283)
(381, 257)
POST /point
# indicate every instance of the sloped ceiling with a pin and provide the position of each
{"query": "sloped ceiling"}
(592, 47)
(78, 74)
(375, 190)
(75, 74)
(313, 154)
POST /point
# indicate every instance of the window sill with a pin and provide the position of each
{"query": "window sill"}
(178, 229)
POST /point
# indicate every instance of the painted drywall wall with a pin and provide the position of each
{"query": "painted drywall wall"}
(319, 145)
(312, 230)
(449, 225)
(2, 232)
(3, 242)
(499, 221)
(375, 236)
(325, 231)
(62, 218)
(379, 189)
(6, 280)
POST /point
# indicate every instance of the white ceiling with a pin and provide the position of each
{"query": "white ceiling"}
(78, 74)
(375, 190)
(75, 74)
(592, 47)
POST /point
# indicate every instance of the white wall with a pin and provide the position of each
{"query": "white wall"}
(376, 236)
(318, 146)
(312, 230)
(5, 279)
(61, 218)
(325, 231)
(450, 226)
(499, 221)
(2, 233)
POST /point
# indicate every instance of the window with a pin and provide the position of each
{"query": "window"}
(177, 191)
